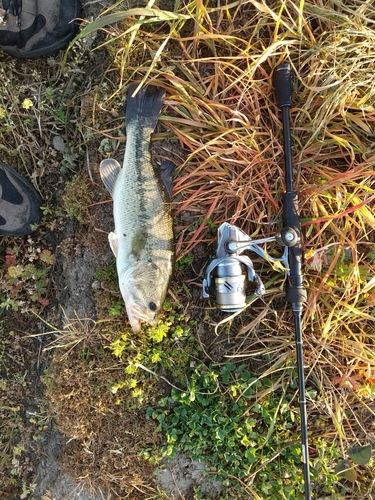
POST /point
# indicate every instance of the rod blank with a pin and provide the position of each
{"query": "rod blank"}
(295, 291)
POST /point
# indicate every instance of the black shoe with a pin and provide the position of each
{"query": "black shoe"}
(33, 28)
(20, 203)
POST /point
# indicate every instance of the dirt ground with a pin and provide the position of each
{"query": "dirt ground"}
(75, 283)
(80, 250)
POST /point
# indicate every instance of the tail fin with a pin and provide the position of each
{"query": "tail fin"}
(146, 104)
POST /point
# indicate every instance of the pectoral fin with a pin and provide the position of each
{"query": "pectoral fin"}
(109, 171)
(113, 243)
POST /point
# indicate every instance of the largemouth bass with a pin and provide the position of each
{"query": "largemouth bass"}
(143, 240)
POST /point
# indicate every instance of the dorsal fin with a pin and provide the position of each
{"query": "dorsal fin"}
(109, 171)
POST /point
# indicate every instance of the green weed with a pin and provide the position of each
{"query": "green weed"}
(358, 456)
(243, 430)
(162, 352)
(184, 262)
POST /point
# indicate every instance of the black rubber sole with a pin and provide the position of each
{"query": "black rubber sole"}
(35, 202)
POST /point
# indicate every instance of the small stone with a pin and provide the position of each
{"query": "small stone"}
(58, 143)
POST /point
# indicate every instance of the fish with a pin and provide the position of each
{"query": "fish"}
(143, 238)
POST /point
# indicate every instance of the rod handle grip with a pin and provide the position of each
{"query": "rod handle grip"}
(283, 82)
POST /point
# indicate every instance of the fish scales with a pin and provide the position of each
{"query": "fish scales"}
(143, 241)
(139, 192)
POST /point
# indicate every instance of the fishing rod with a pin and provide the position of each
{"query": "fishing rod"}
(295, 291)
(228, 274)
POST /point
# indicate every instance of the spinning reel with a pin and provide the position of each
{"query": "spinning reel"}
(229, 273)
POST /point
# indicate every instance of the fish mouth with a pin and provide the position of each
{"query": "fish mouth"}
(137, 313)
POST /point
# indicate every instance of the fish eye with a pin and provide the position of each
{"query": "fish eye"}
(152, 306)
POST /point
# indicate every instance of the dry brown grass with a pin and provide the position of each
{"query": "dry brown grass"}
(106, 435)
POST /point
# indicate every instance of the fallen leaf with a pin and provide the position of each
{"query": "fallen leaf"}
(360, 455)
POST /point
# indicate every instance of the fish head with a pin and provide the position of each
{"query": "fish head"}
(143, 292)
